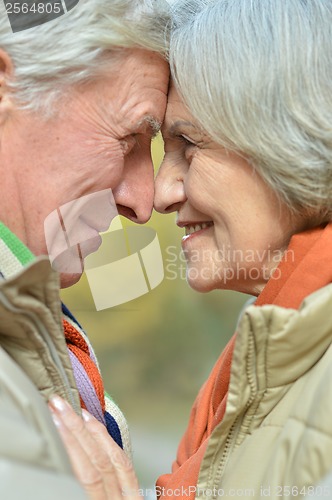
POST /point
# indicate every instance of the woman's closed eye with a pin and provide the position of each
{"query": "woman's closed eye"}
(186, 140)
(189, 147)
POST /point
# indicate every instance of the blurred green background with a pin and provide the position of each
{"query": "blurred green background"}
(156, 351)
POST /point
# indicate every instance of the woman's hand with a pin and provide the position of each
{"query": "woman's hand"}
(101, 466)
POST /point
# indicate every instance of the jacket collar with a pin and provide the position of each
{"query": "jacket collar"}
(289, 328)
(286, 342)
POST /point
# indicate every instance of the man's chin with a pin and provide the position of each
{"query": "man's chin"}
(70, 264)
(67, 279)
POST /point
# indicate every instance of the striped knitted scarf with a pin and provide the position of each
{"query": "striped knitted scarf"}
(14, 255)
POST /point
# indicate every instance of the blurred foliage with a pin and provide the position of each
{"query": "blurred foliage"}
(156, 351)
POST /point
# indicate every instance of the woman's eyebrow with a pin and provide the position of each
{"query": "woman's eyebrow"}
(180, 126)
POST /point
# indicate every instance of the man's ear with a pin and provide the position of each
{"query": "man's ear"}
(6, 73)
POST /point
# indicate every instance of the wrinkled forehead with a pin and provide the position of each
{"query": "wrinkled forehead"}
(149, 85)
(136, 93)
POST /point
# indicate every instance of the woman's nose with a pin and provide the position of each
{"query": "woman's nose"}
(169, 189)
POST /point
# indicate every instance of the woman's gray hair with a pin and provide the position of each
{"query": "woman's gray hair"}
(73, 48)
(257, 75)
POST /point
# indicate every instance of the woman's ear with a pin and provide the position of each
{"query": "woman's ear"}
(6, 74)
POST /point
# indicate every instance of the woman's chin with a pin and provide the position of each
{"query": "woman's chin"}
(205, 280)
(198, 283)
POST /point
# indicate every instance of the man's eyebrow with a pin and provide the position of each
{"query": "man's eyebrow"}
(153, 124)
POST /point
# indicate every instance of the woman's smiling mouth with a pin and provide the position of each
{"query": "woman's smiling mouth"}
(192, 228)
(195, 227)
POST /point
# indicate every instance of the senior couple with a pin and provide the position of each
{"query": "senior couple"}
(246, 122)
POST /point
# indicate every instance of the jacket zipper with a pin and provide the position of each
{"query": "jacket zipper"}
(45, 335)
(238, 420)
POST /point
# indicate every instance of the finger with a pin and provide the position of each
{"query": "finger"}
(84, 470)
(90, 462)
(126, 477)
(77, 427)
(95, 450)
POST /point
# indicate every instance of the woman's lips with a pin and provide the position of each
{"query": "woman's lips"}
(197, 226)
(195, 229)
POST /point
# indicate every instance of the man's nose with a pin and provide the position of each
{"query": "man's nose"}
(169, 189)
(134, 195)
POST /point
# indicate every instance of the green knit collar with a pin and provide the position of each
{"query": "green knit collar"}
(14, 255)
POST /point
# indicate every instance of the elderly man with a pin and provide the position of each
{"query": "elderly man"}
(80, 99)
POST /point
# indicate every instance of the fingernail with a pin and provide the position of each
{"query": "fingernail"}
(58, 403)
(56, 420)
(86, 416)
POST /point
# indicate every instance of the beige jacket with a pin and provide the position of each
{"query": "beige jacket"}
(277, 430)
(33, 355)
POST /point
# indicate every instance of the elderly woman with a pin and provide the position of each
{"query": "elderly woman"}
(81, 96)
(248, 170)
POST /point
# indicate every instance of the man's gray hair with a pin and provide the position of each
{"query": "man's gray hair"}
(257, 75)
(74, 47)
